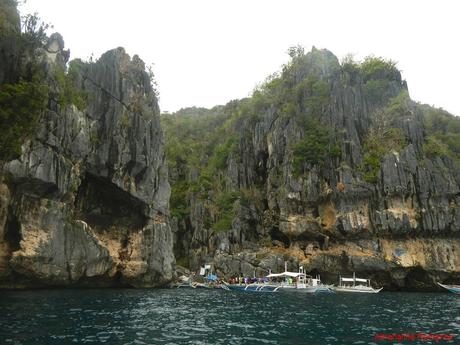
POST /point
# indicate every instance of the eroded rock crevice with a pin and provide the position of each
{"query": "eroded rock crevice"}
(12, 234)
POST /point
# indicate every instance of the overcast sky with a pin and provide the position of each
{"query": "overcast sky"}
(207, 52)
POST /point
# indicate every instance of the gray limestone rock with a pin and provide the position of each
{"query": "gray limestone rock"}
(331, 203)
(90, 192)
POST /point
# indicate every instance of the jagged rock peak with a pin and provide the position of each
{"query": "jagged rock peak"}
(318, 62)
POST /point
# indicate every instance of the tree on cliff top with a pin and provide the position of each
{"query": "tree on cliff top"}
(9, 16)
(23, 90)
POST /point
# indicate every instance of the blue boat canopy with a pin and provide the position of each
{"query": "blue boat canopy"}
(212, 277)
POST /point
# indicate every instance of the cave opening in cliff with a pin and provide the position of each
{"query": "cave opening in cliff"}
(277, 235)
(105, 206)
(13, 232)
(417, 279)
(261, 168)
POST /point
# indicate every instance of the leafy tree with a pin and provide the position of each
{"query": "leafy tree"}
(349, 64)
(68, 92)
(224, 223)
(179, 199)
(378, 74)
(23, 91)
(21, 106)
(296, 51)
(443, 133)
(222, 152)
(34, 30)
(317, 94)
(225, 205)
(379, 68)
(317, 144)
(376, 145)
(433, 148)
(9, 16)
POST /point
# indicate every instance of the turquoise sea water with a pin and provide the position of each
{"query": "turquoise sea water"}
(182, 316)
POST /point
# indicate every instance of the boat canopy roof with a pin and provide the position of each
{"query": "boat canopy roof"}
(211, 277)
(354, 279)
(285, 274)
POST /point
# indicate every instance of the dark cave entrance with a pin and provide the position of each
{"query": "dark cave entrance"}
(277, 235)
(103, 205)
(13, 232)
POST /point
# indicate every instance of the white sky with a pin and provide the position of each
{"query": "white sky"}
(207, 52)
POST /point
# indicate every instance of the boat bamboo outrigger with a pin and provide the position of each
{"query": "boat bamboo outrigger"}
(355, 285)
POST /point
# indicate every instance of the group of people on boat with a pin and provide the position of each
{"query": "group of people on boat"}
(246, 280)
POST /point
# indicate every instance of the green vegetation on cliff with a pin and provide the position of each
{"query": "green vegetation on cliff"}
(191, 139)
(376, 146)
(318, 144)
(384, 136)
(9, 16)
(26, 85)
(443, 130)
(68, 91)
(201, 143)
(21, 105)
(23, 88)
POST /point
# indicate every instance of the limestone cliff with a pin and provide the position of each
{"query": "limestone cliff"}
(86, 203)
(330, 166)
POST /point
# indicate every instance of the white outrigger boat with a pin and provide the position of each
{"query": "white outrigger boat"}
(451, 288)
(285, 281)
(298, 281)
(355, 285)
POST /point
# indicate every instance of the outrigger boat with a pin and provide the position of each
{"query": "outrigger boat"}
(189, 283)
(285, 281)
(355, 285)
(452, 288)
(299, 281)
(210, 282)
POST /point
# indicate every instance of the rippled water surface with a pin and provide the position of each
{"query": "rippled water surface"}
(181, 316)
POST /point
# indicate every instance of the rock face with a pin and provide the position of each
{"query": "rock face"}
(86, 204)
(9, 22)
(400, 226)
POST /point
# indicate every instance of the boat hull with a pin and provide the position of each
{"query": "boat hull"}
(451, 288)
(308, 289)
(278, 288)
(355, 289)
(252, 287)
